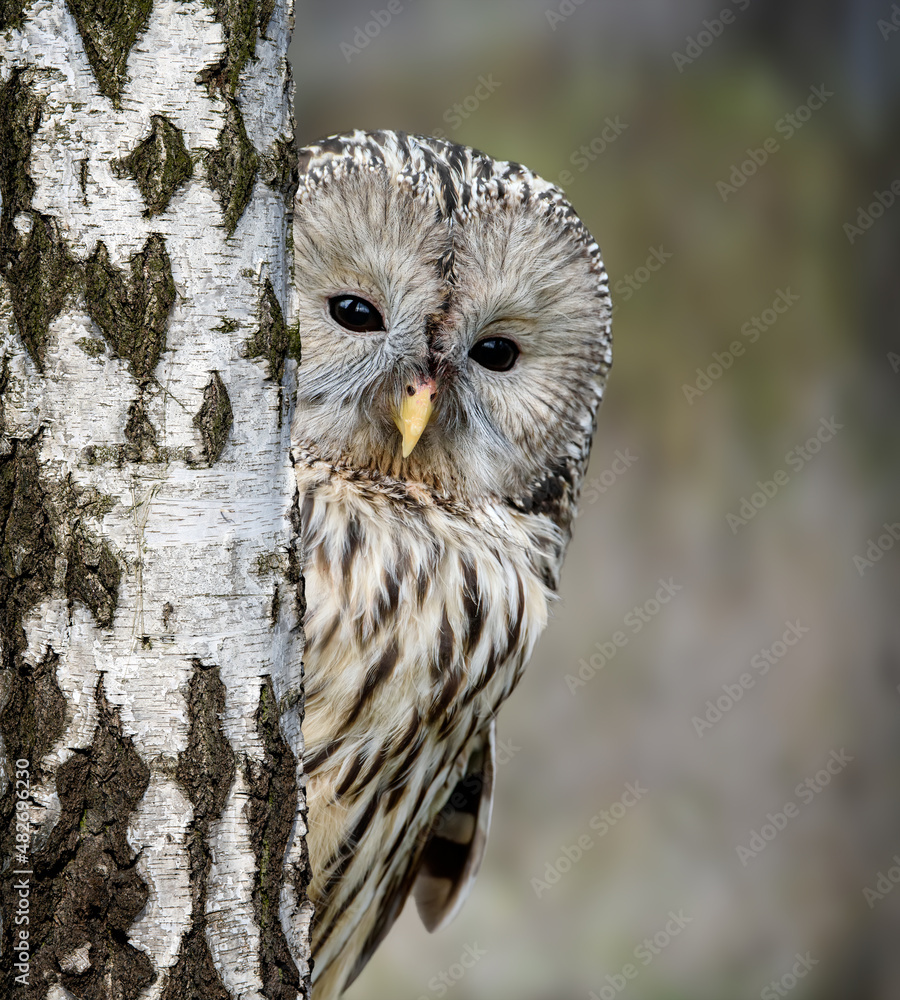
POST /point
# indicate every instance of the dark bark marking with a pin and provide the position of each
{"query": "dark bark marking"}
(20, 118)
(86, 890)
(206, 770)
(279, 168)
(272, 341)
(92, 576)
(41, 524)
(109, 29)
(232, 167)
(33, 716)
(132, 312)
(272, 810)
(12, 13)
(243, 23)
(28, 545)
(141, 435)
(214, 419)
(159, 164)
(39, 269)
(41, 274)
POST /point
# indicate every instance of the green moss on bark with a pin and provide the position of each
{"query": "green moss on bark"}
(159, 164)
(132, 311)
(273, 341)
(280, 168)
(38, 268)
(140, 434)
(12, 13)
(42, 274)
(28, 544)
(109, 29)
(272, 808)
(206, 771)
(20, 118)
(86, 890)
(232, 167)
(243, 23)
(214, 418)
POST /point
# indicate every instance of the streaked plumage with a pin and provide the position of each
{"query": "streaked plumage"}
(428, 577)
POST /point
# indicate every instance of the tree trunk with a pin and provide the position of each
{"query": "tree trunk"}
(152, 820)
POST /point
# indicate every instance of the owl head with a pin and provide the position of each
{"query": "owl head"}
(454, 320)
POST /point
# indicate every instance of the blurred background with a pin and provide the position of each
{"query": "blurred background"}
(732, 863)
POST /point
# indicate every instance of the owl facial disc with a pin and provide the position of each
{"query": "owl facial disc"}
(415, 411)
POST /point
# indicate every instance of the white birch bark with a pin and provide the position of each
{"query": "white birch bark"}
(150, 640)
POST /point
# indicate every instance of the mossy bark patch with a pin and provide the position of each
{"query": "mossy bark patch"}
(273, 341)
(109, 29)
(280, 168)
(85, 888)
(132, 310)
(34, 713)
(243, 23)
(272, 809)
(41, 524)
(140, 434)
(12, 13)
(214, 418)
(159, 164)
(232, 167)
(41, 274)
(206, 771)
(37, 266)
(93, 575)
(28, 545)
(20, 118)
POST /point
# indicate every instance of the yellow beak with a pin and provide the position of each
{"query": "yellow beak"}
(415, 412)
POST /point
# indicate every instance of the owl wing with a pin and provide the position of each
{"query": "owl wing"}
(442, 873)
(455, 845)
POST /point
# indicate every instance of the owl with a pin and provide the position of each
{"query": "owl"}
(455, 328)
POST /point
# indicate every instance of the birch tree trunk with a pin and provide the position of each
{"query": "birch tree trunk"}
(152, 826)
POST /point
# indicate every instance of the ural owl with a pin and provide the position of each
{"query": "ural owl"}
(455, 327)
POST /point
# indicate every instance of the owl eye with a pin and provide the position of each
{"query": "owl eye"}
(355, 314)
(495, 353)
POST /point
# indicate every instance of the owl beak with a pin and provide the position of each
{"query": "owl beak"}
(415, 411)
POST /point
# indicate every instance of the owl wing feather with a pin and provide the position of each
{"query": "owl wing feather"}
(443, 871)
(455, 846)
